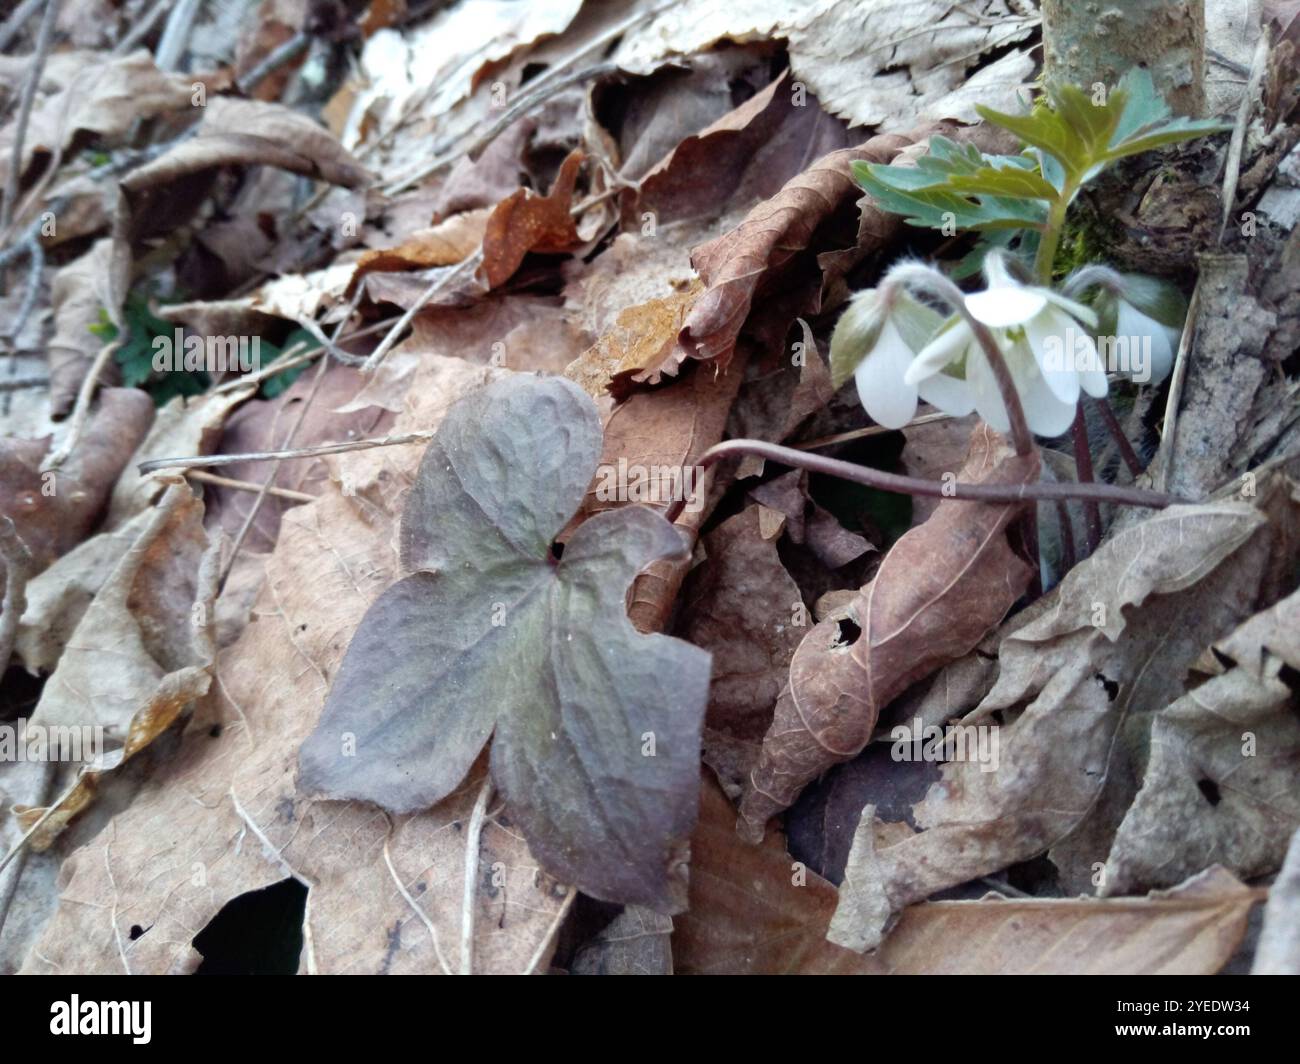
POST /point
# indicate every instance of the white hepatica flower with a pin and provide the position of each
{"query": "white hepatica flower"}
(890, 331)
(1146, 317)
(1044, 340)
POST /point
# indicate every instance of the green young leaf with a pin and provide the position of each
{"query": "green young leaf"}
(596, 728)
(1048, 131)
(925, 199)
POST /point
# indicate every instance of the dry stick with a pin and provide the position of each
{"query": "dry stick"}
(1164, 454)
(197, 461)
(1232, 165)
(17, 384)
(17, 21)
(551, 932)
(935, 489)
(276, 58)
(81, 410)
(870, 430)
(1083, 468)
(389, 340)
(143, 27)
(44, 37)
(473, 837)
(1117, 433)
(176, 35)
(247, 485)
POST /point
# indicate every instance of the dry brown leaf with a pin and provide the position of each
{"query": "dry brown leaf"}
(1219, 786)
(445, 244)
(640, 342)
(525, 221)
(142, 651)
(775, 244)
(755, 911)
(107, 96)
(742, 607)
(1119, 632)
(938, 591)
(224, 818)
(636, 942)
(54, 511)
(80, 290)
(808, 523)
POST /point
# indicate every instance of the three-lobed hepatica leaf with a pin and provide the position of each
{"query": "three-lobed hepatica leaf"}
(595, 728)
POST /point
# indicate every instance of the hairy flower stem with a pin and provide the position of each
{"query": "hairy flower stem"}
(1111, 422)
(929, 280)
(1083, 469)
(936, 489)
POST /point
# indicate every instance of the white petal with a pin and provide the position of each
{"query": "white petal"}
(947, 393)
(1053, 338)
(1046, 414)
(1077, 310)
(947, 347)
(889, 399)
(1150, 353)
(1000, 308)
(984, 390)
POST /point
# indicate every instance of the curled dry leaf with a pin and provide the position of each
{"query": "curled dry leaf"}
(1119, 632)
(1219, 783)
(525, 221)
(780, 237)
(754, 911)
(385, 895)
(489, 636)
(940, 588)
(80, 291)
(54, 511)
(142, 652)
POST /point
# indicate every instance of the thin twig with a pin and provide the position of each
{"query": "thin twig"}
(551, 932)
(424, 917)
(44, 38)
(31, 290)
(15, 22)
(247, 485)
(395, 333)
(81, 410)
(870, 430)
(1164, 454)
(276, 58)
(143, 27)
(18, 384)
(1083, 470)
(935, 489)
(201, 460)
(9, 880)
(176, 35)
(473, 839)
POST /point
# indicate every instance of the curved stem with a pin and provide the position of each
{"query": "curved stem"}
(928, 279)
(937, 489)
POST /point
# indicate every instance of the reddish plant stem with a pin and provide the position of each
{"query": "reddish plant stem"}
(1083, 469)
(1126, 451)
(1067, 536)
(936, 489)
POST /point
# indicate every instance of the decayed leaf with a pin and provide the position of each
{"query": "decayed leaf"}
(80, 291)
(224, 817)
(742, 607)
(1278, 952)
(881, 64)
(809, 524)
(940, 588)
(1219, 787)
(641, 341)
(766, 248)
(107, 96)
(636, 942)
(143, 649)
(525, 221)
(444, 244)
(755, 911)
(1118, 632)
(54, 511)
(492, 636)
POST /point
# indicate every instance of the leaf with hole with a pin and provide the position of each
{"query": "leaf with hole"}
(596, 728)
